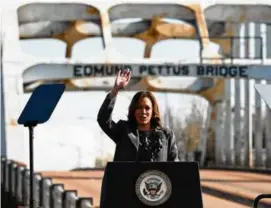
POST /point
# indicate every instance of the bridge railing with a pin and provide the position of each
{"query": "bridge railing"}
(15, 181)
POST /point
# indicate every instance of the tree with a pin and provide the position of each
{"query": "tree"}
(188, 130)
(100, 162)
(177, 125)
(194, 125)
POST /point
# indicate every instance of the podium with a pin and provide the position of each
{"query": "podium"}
(151, 184)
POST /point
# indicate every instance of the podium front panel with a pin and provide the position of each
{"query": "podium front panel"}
(152, 184)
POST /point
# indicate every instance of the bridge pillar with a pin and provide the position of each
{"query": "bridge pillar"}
(258, 140)
(260, 30)
(220, 142)
(268, 110)
(237, 50)
(228, 136)
(205, 136)
(246, 135)
(268, 135)
(237, 121)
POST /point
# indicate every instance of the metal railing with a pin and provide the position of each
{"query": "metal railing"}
(15, 181)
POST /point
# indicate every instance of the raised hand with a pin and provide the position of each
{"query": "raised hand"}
(122, 79)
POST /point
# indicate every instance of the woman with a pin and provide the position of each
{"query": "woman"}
(142, 137)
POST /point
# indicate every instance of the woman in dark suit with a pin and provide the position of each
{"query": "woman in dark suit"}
(141, 137)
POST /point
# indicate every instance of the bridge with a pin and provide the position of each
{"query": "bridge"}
(222, 44)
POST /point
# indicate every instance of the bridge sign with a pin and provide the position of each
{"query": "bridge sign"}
(162, 70)
(191, 70)
(69, 71)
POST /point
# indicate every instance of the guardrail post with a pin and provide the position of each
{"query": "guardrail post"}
(20, 185)
(70, 198)
(64, 196)
(12, 184)
(13, 178)
(84, 202)
(24, 199)
(26, 180)
(6, 185)
(3, 165)
(56, 195)
(45, 192)
(36, 184)
(4, 193)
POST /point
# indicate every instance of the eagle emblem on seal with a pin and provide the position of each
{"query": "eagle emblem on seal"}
(153, 188)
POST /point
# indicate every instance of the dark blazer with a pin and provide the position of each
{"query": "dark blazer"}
(127, 139)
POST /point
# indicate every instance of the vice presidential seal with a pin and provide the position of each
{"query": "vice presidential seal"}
(153, 188)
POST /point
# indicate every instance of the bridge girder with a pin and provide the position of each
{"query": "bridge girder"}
(84, 21)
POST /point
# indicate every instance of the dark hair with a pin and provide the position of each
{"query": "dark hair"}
(156, 118)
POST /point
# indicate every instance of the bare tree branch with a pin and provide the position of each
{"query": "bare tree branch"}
(187, 129)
